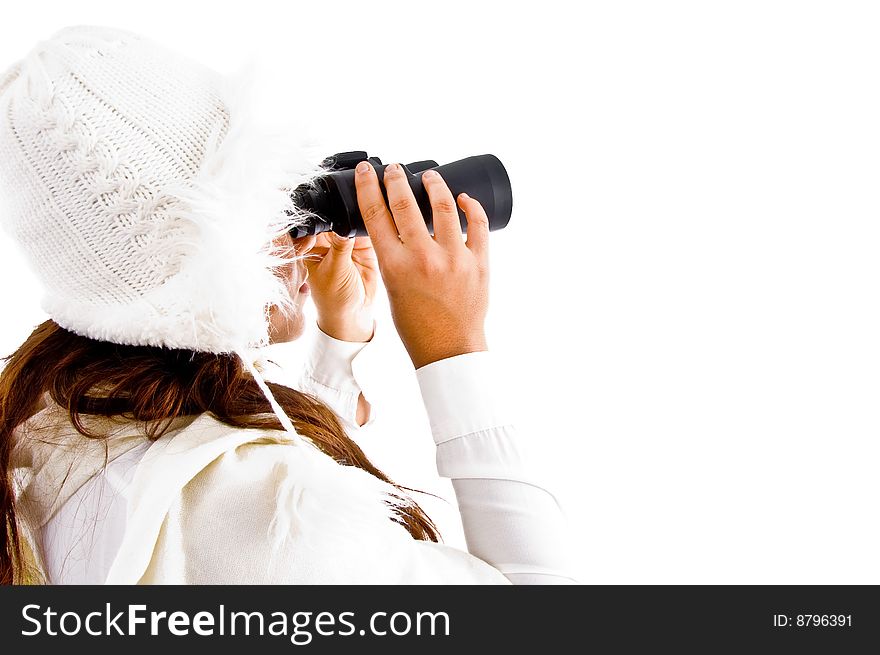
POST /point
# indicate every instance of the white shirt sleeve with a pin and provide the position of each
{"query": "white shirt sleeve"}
(509, 519)
(328, 372)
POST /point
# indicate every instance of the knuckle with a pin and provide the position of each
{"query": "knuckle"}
(445, 205)
(426, 264)
(475, 263)
(479, 219)
(476, 208)
(401, 204)
(393, 268)
(371, 212)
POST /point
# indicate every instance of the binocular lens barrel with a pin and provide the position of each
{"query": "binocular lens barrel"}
(332, 198)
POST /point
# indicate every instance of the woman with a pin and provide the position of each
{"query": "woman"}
(142, 438)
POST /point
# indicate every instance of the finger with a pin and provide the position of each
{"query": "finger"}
(374, 211)
(340, 244)
(407, 215)
(361, 243)
(339, 253)
(447, 227)
(369, 274)
(303, 249)
(322, 242)
(319, 250)
(477, 225)
(304, 244)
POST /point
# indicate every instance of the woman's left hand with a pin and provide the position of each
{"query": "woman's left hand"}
(343, 277)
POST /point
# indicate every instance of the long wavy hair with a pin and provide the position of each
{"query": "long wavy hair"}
(156, 385)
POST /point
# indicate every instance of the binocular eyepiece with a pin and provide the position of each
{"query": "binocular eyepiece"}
(331, 199)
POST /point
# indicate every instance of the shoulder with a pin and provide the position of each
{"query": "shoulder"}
(282, 483)
(258, 506)
(211, 462)
(268, 510)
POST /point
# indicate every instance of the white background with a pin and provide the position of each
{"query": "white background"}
(685, 303)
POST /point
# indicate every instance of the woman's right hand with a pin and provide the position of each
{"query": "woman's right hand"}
(438, 287)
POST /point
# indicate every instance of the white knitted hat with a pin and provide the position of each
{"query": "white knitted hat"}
(144, 195)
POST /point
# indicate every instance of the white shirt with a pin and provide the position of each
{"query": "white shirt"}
(510, 521)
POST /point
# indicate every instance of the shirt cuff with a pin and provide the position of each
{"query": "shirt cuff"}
(325, 367)
(330, 361)
(463, 395)
(471, 419)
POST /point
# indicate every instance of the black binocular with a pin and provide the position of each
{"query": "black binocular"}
(330, 200)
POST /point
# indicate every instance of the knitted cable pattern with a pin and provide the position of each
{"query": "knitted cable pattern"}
(143, 193)
(124, 211)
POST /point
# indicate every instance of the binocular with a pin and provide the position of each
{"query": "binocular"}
(330, 200)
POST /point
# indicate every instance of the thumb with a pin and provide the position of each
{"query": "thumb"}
(340, 249)
(340, 243)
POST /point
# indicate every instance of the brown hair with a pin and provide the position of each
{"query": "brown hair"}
(156, 385)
